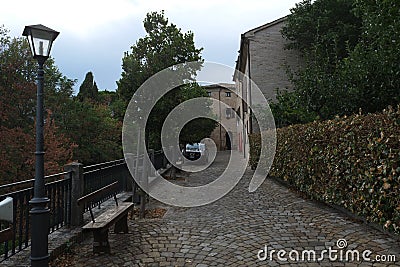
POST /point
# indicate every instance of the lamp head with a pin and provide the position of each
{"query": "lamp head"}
(40, 40)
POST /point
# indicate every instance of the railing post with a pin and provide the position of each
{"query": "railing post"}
(77, 187)
(151, 152)
(145, 180)
(152, 161)
(164, 158)
(174, 158)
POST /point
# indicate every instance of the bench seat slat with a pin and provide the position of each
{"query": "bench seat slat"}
(109, 217)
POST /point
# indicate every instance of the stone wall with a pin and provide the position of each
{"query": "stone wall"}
(264, 59)
(268, 60)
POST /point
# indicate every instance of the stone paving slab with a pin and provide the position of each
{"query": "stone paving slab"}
(237, 229)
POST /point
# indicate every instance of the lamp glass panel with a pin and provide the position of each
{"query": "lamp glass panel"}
(30, 40)
(41, 42)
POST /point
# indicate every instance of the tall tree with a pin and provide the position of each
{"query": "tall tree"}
(88, 89)
(58, 91)
(163, 46)
(17, 113)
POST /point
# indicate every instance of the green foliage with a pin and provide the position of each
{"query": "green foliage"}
(351, 51)
(17, 76)
(96, 133)
(289, 110)
(86, 131)
(92, 121)
(371, 73)
(325, 27)
(352, 161)
(88, 89)
(112, 100)
(163, 46)
(17, 112)
(196, 130)
(323, 31)
(255, 149)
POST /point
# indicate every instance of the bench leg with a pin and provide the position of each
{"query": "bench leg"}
(100, 241)
(121, 226)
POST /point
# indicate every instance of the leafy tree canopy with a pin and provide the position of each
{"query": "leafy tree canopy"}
(17, 112)
(163, 46)
(74, 130)
(329, 27)
(351, 50)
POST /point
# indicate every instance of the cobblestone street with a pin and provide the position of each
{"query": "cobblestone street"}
(237, 229)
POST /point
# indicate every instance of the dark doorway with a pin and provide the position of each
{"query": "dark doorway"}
(228, 141)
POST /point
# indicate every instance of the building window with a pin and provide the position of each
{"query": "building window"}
(228, 94)
(209, 93)
(230, 113)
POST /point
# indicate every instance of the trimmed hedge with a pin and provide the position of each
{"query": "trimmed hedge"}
(353, 162)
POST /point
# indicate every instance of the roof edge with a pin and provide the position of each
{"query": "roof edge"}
(264, 26)
(242, 57)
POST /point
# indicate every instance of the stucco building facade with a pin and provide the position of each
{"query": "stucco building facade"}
(225, 137)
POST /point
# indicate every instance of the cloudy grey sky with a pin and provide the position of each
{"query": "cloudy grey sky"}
(94, 34)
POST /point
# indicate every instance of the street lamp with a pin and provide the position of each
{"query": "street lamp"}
(40, 40)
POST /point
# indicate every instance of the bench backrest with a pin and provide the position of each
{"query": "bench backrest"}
(91, 197)
(95, 195)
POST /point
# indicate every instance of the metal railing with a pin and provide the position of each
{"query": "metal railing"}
(99, 175)
(58, 191)
(159, 161)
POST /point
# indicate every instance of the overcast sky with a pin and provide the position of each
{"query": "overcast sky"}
(94, 34)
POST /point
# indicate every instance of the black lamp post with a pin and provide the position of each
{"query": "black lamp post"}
(40, 40)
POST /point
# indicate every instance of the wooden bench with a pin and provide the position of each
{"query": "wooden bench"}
(117, 215)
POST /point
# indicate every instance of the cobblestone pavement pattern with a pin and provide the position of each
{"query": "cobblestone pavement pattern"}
(231, 232)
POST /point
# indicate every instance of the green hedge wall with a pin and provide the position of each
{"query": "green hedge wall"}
(353, 162)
